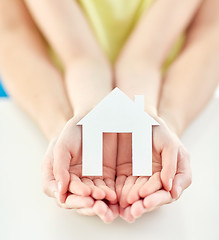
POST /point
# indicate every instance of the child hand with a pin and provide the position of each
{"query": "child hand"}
(84, 205)
(171, 164)
(127, 186)
(171, 170)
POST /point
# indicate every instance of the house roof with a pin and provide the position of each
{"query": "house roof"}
(116, 105)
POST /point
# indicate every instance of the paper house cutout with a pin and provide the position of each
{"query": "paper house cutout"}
(117, 113)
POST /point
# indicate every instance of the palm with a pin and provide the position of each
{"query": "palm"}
(64, 160)
(70, 144)
(73, 144)
(127, 186)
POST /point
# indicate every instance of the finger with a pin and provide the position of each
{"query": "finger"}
(137, 209)
(77, 187)
(152, 185)
(115, 210)
(133, 194)
(74, 202)
(50, 189)
(111, 184)
(96, 193)
(86, 211)
(109, 216)
(103, 211)
(183, 178)
(48, 180)
(169, 163)
(130, 181)
(125, 213)
(62, 158)
(156, 199)
(109, 193)
(106, 213)
(119, 185)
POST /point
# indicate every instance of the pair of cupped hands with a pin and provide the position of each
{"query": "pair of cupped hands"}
(117, 192)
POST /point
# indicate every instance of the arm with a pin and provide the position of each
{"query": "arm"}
(192, 79)
(30, 77)
(88, 79)
(138, 69)
(34, 82)
(88, 74)
(187, 87)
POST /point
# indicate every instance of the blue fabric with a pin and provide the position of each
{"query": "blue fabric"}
(2, 90)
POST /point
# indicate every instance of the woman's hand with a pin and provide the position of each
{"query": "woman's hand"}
(62, 177)
(171, 159)
(171, 174)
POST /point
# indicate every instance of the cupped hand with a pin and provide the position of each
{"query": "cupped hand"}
(128, 186)
(171, 174)
(62, 179)
(171, 159)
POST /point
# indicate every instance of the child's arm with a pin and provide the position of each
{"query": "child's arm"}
(138, 68)
(30, 77)
(157, 31)
(88, 74)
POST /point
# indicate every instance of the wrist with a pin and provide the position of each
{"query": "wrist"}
(87, 82)
(89, 62)
(129, 56)
(173, 120)
(52, 122)
(138, 78)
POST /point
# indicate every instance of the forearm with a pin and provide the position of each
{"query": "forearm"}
(87, 71)
(190, 83)
(138, 69)
(192, 79)
(30, 77)
(66, 29)
(140, 79)
(157, 31)
(88, 81)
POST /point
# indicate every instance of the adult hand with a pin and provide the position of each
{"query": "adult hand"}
(62, 174)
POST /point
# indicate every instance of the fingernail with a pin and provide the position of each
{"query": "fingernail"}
(178, 191)
(59, 186)
(170, 183)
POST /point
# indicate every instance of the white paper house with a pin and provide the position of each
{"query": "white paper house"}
(117, 113)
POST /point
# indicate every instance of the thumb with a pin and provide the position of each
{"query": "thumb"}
(169, 164)
(62, 158)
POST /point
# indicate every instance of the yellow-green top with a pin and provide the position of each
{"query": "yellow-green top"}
(113, 20)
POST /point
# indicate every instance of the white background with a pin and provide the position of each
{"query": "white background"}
(26, 213)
